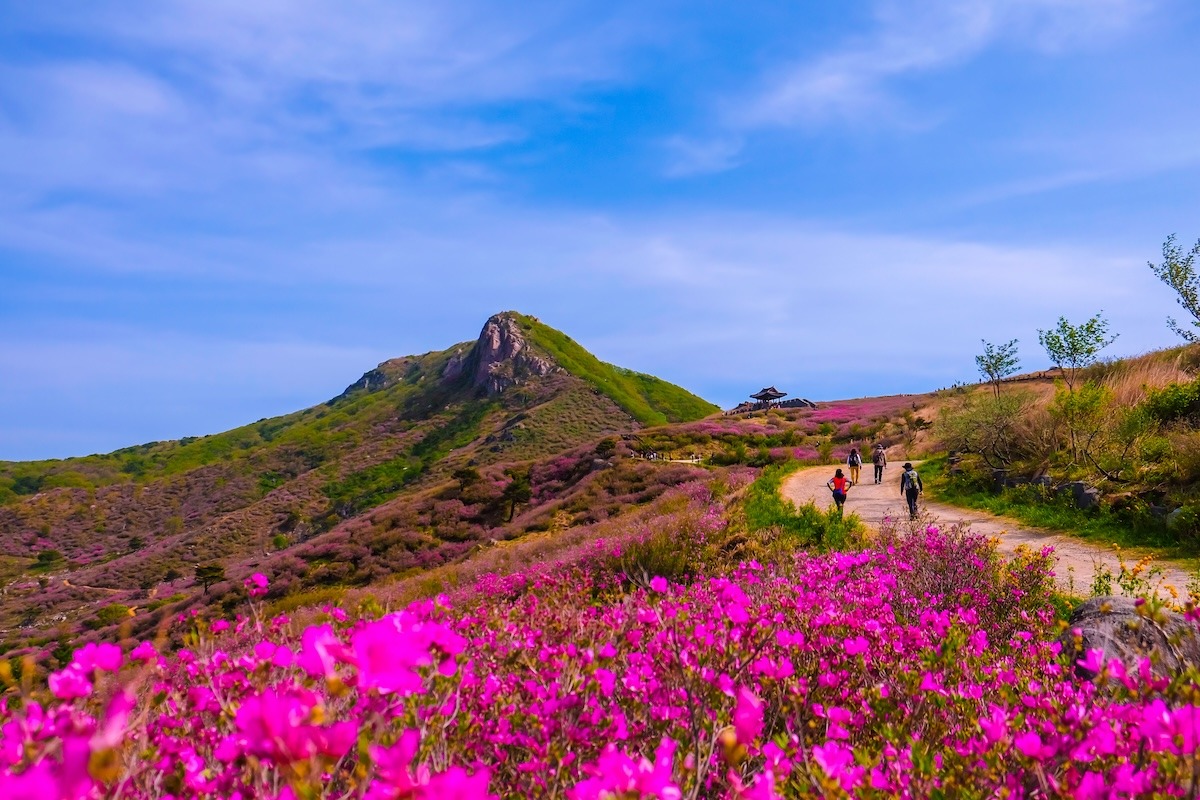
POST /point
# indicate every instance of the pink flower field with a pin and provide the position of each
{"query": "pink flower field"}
(922, 667)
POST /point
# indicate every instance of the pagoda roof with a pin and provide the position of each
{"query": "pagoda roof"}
(769, 393)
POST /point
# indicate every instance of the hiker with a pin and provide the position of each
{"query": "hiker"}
(854, 461)
(879, 458)
(910, 488)
(839, 484)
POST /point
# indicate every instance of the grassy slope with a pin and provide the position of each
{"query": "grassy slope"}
(1160, 470)
(649, 400)
(314, 436)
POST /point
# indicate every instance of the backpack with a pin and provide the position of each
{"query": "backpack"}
(911, 477)
(855, 459)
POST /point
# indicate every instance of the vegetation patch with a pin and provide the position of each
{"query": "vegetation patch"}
(649, 400)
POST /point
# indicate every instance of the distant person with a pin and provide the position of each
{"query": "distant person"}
(854, 461)
(879, 459)
(911, 488)
(839, 484)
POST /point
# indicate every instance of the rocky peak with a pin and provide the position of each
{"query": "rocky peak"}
(499, 359)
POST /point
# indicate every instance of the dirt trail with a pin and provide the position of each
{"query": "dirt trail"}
(1078, 560)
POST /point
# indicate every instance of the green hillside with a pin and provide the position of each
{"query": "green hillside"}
(289, 443)
(406, 391)
(649, 400)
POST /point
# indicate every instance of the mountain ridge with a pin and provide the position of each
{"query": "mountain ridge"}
(139, 520)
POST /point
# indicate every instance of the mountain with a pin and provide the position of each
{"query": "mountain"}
(92, 538)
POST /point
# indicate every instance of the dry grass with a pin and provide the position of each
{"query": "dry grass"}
(1131, 378)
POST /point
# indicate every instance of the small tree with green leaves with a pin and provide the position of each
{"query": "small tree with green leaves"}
(997, 362)
(517, 492)
(208, 574)
(989, 427)
(1073, 347)
(1179, 272)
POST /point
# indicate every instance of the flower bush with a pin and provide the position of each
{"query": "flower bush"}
(922, 667)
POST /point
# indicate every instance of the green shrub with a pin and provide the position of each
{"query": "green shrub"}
(765, 509)
(1174, 403)
(1184, 525)
(111, 614)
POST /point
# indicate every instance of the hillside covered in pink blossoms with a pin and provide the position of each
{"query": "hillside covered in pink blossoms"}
(914, 664)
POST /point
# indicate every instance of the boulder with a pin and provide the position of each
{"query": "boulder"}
(1129, 632)
(1174, 519)
(1084, 496)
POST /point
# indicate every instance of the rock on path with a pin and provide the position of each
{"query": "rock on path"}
(1077, 560)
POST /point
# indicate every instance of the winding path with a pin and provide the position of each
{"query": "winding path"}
(1077, 560)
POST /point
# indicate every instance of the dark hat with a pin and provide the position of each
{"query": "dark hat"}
(907, 465)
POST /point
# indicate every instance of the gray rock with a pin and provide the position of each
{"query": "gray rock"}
(1128, 632)
(455, 366)
(1084, 496)
(1172, 519)
(500, 358)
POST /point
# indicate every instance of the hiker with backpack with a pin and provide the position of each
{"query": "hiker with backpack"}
(910, 488)
(854, 461)
(879, 459)
(839, 485)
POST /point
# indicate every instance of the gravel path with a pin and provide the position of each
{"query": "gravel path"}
(1077, 560)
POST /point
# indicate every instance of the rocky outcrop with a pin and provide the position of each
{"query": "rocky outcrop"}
(387, 374)
(500, 358)
(371, 381)
(1129, 632)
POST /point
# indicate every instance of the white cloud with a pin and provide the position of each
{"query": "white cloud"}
(713, 301)
(370, 58)
(687, 157)
(854, 82)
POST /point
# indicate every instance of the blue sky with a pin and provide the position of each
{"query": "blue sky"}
(215, 211)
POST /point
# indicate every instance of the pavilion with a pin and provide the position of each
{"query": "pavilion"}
(768, 396)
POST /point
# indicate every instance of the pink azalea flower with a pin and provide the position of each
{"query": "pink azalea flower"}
(143, 652)
(321, 651)
(456, 784)
(856, 646)
(1093, 661)
(70, 683)
(102, 656)
(389, 651)
(1028, 744)
(615, 773)
(837, 761)
(1092, 787)
(274, 725)
(747, 716)
(256, 585)
(607, 680)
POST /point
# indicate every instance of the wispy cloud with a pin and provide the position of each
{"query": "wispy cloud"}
(687, 157)
(856, 82)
